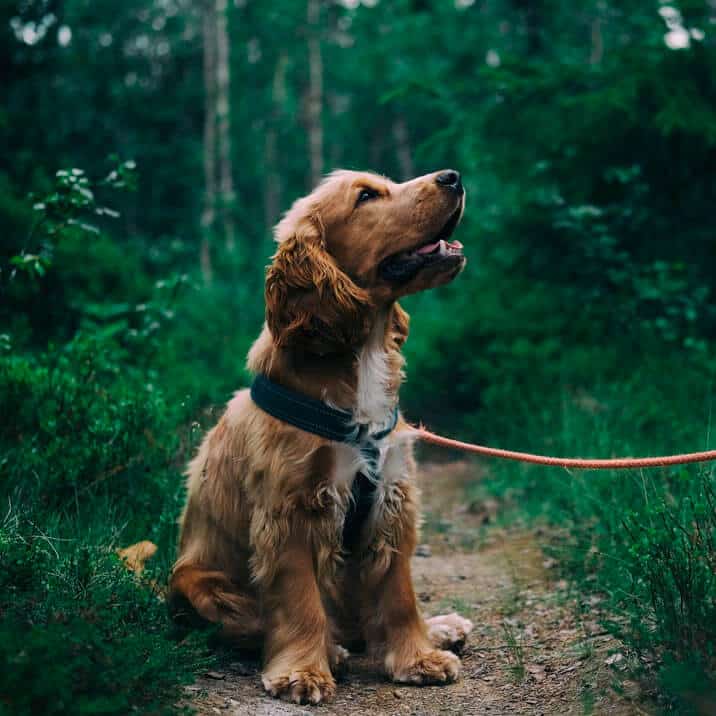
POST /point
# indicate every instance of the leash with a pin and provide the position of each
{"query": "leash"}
(319, 418)
(620, 463)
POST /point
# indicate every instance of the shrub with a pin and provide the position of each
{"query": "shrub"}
(78, 634)
(79, 424)
(644, 540)
(91, 451)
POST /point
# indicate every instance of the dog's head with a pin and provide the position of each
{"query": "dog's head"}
(359, 242)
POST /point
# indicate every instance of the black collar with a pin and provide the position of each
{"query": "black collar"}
(319, 418)
(314, 416)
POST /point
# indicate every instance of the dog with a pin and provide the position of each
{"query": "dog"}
(264, 550)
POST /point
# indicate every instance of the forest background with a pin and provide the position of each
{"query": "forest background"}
(146, 150)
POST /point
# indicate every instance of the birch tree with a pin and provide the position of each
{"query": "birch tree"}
(223, 122)
(217, 213)
(272, 189)
(314, 104)
(208, 215)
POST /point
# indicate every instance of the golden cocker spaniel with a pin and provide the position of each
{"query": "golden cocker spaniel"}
(264, 549)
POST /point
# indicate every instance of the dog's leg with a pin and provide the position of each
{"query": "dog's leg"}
(391, 616)
(212, 596)
(410, 656)
(298, 639)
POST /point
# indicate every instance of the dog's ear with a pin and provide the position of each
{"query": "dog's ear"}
(310, 302)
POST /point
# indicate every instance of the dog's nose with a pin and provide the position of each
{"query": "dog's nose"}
(449, 179)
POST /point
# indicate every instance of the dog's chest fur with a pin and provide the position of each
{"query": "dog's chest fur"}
(375, 403)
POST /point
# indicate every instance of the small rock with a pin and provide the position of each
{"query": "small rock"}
(423, 550)
(217, 675)
(397, 694)
(614, 659)
(242, 669)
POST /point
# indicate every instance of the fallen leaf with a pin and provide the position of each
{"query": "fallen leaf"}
(137, 554)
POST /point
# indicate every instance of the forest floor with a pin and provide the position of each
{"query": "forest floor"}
(529, 653)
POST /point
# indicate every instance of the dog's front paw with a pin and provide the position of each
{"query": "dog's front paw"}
(448, 631)
(432, 666)
(308, 685)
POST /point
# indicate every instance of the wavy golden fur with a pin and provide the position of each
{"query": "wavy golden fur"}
(261, 548)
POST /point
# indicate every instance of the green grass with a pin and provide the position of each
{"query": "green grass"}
(88, 465)
(78, 634)
(515, 652)
(644, 540)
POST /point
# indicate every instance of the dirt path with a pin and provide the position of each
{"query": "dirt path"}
(528, 653)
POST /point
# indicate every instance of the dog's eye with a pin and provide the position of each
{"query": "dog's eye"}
(367, 195)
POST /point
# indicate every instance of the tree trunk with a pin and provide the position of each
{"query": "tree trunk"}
(208, 214)
(532, 13)
(315, 92)
(533, 19)
(597, 42)
(223, 124)
(402, 148)
(272, 189)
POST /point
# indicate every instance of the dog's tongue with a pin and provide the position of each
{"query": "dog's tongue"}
(441, 244)
(429, 248)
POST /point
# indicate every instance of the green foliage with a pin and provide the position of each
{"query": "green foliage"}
(645, 540)
(89, 463)
(671, 550)
(584, 321)
(90, 458)
(83, 429)
(61, 212)
(78, 633)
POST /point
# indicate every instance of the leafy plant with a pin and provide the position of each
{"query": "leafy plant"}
(643, 541)
(79, 634)
(89, 455)
(63, 211)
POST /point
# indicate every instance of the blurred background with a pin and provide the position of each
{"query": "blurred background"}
(146, 150)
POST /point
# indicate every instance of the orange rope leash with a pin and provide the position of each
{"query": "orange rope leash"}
(621, 463)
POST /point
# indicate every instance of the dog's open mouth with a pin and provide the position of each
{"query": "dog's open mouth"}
(405, 265)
